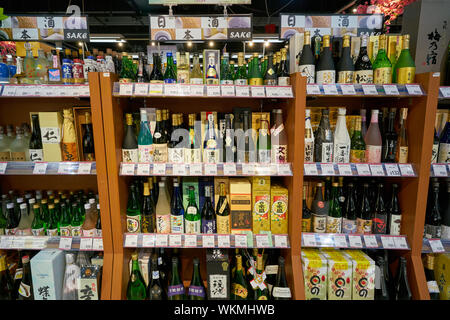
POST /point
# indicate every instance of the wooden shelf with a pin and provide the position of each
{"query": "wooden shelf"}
(47, 168)
(399, 170)
(354, 241)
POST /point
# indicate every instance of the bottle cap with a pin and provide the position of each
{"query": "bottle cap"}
(36, 206)
(91, 200)
(25, 259)
(341, 111)
(98, 206)
(51, 206)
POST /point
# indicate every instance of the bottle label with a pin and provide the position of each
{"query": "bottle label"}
(239, 290)
(264, 156)
(406, 75)
(69, 151)
(363, 76)
(5, 156)
(160, 152)
(25, 290)
(379, 224)
(89, 233)
(145, 153)
(226, 82)
(373, 154)
(270, 82)
(176, 155)
(363, 226)
(433, 286)
(170, 80)
(444, 153)
(341, 153)
(357, 156)
(99, 233)
(76, 231)
(345, 76)
(309, 151)
(192, 155)
(433, 232)
(2, 232)
(445, 232)
(308, 71)
(223, 224)
(155, 274)
(327, 152)
(65, 231)
(175, 290)
(211, 155)
(163, 223)
(11, 232)
(306, 225)
(255, 81)
(52, 232)
(279, 292)
(197, 291)
(261, 207)
(193, 226)
(208, 226)
(319, 223)
(134, 224)
(18, 274)
(402, 155)
(54, 75)
(334, 225)
(394, 225)
(176, 223)
(183, 76)
(271, 269)
(382, 75)
(434, 154)
(284, 81)
(147, 223)
(241, 82)
(279, 153)
(18, 156)
(38, 232)
(196, 80)
(36, 155)
(348, 226)
(130, 155)
(326, 76)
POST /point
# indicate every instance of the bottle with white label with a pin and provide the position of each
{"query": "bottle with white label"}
(130, 145)
(175, 146)
(281, 290)
(323, 140)
(192, 218)
(309, 138)
(373, 140)
(363, 66)
(211, 152)
(145, 140)
(307, 63)
(444, 145)
(394, 214)
(163, 210)
(88, 228)
(176, 210)
(341, 152)
(279, 138)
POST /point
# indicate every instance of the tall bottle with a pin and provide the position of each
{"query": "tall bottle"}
(270, 76)
(433, 216)
(381, 285)
(196, 290)
(241, 73)
(69, 139)
(35, 146)
(326, 72)
(254, 74)
(404, 70)
(341, 153)
(76, 221)
(26, 285)
(357, 145)
(148, 217)
(363, 66)
(145, 140)
(279, 138)
(363, 122)
(163, 216)
(432, 285)
(41, 68)
(349, 212)
(6, 284)
(434, 154)
(208, 213)
(401, 155)
(211, 152)
(88, 139)
(177, 210)
(160, 150)
(364, 218)
(263, 144)
(402, 290)
(445, 226)
(176, 289)
(196, 75)
(155, 289)
(183, 68)
(156, 75)
(260, 291)
(192, 218)
(142, 75)
(223, 217)
(323, 140)
(65, 222)
(136, 285)
(373, 140)
(130, 145)
(133, 211)
(170, 75)
(309, 138)
(306, 213)
(225, 69)
(19, 147)
(229, 149)
(380, 219)
(192, 153)
(382, 67)
(334, 218)
(319, 210)
(307, 61)
(239, 288)
(212, 77)
(281, 290)
(283, 78)
(37, 226)
(389, 148)
(444, 145)
(345, 67)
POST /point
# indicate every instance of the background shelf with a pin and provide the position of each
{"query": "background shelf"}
(363, 90)
(44, 90)
(43, 242)
(404, 170)
(48, 168)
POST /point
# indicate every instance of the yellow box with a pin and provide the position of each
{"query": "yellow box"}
(314, 266)
(363, 275)
(339, 275)
(279, 209)
(241, 204)
(442, 274)
(51, 124)
(261, 204)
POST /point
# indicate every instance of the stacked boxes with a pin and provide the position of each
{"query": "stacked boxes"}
(363, 275)
(315, 274)
(279, 209)
(261, 204)
(47, 272)
(339, 275)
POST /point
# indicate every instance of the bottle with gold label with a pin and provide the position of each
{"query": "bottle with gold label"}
(401, 155)
(345, 67)
(325, 71)
(405, 69)
(270, 77)
(254, 75)
(261, 291)
(283, 76)
(183, 68)
(69, 140)
(196, 75)
(382, 67)
(223, 218)
(88, 139)
(239, 289)
(363, 66)
(212, 77)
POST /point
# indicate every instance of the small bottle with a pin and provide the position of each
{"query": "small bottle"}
(88, 228)
(98, 225)
(373, 140)
(26, 285)
(77, 221)
(136, 285)
(25, 222)
(64, 227)
(176, 289)
(52, 229)
(37, 227)
(12, 221)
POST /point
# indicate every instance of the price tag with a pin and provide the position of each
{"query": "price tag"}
(440, 170)
(185, 89)
(284, 169)
(40, 167)
(143, 169)
(128, 169)
(156, 89)
(3, 166)
(258, 91)
(49, 91)
(65, 243)
(436, 245)
(190, 241)
(445, 91)
(84, 91)
(371, 241)
(413, 89)
(390, 89)
(325, 240)
(286, 91)
(171, 89)
(195, 169)
(227, 90)
(400, 243)
(310, 169)
(309, 240)
(84, 167)
(406, 169)
(348, 89)
(174, 240)
(72, 91)
(97, 244)
(161, 240)
(208, 241)
(273, 92)
(179, 169)
(64, 167)
(159, 169)
(345, 170)
(392, 170)
(223, 241)
(280, 241)
(355, 241)
(141, 89)
(388, 242)
(85, 244)
(39, 242)
(210, 169)
(369, 89)
(240, 241)
(330, 89)
(264, 169)
(9, 91)
(213, 90)
(19, 242)
(248, 169)
(131, 240)
(7, 242)
(362, 169)
(312, 89)
(125, 89)
(327, 169)
(340, 241)
(229, 169)
(242, 91)
(377, 170)
(148, 240)
(262, 241)
(197, 89)
(24, 91)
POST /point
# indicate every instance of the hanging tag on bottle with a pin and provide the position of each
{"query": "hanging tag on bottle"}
(392, 170)
(440, 170)
(131, 240)
(148, 240)
(387, 242)
(309, 240)
(175, 240)
(85, 244)
(370, 241)
(340, 241)
(208, 241)
(40, 167)
(377, 170)
(310, 169)
(355, 241)
(141, 89)
(281, 241)
(436, 245)
(229, 169)
(312, 89)
(413, 89)
(65, 243)
(347, 89)
(406, 169)
(223, 241)
(362, 169)
(345, 169)
(190, 241)
(84, 167)
(3, 166)
(391, 89)
(369, 89)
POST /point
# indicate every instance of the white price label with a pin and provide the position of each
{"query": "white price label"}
(210, 169)
(213, 90)
(436, 245)
(281, 241)
(190, 241)
(284, 169)
(309, 240)
(390, 89)
(159, 169)
(369, 89)
(125, 89)
(128, 169)
(227, 90)
(348, 89)
(65, 243)
(388, 242)
(223, 241)
(9, 91)
(312, 89)
(258, 91)
(143, 169)
(400, 243)
(85, 244)
(40, 167)
(325, 240)
(240, 241)
(72, 91)
(148, 240)
(195, 169)
(161, 240)
(179, 169)
(286, 91)
(440, 170)
(371, 241)
(262, 241)
(63, 91)
(24, 91)
(64, 167)
(272, 92)
(392, 170)
(445, 91)
(131, 240)
(362, 169)
(174, 240)
(185, 89)
(248, 169)
(330, 89)
(229, 169)
(19, 242)
(49, 91)
(156, 89)
(327, 169)
(355, 241)
(97, 244)
(208, 241)
(340, 241)
(84, 91)
(413, 89)
(6, 242)
(197, 89)
(39, 242)
(3, 166)
(242, 91)
(84, 167)
(310, 169)
(265, 169)
(171, 89)
(377, 170)
(141, 89)
(345, 170)
(406, 169)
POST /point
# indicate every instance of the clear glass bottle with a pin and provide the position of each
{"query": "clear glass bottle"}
(19, 147)
(341, 152)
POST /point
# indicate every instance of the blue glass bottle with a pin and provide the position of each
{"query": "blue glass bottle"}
(4, 71)
(145, 140)
(176, 210)
(208, 213)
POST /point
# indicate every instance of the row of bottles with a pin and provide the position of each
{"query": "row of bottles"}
(353, 208)
(241, 136)
(441, 145)
(437, 218)
(351, 141)
(381, 70)
(48, 213)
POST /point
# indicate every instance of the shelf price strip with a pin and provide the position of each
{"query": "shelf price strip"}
(65, 243)
(190, 241)
(440, 170)
(310, 169)
(363, 169)
(313, 89)
(3, 166)
(370, 241)
(223, 241)
(208, 241)
(406, 169)
(131, 240)
(436, 245)
(40, 168)
(340, 241)
(355, 241)
(445, 91)
(84, 168)
(390, 89)
(97, 244)
(240, 241)
(309, 240)
(128, 169)
(281, 241)
(413, 89)
(327, 169)
(175, 240)
(348, 89)
(148, 240)
(369, 89)
(263, 241)
(392, 170)
(85, 244)
(387, 242)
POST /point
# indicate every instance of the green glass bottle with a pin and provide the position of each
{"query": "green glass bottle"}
(52, 229)
(192, 218)
(264, 64)
(37, 226)
(2, 222)
(405, 68)
(127, 73)
(77, 221)
(262, 291)
(334, 218)
(176, 288)
(148, 211)
(226, 74)
(170, 75)
(357, 144)
(241, 74)
(64, 225)
(239, 289)
(255, 76)
(45, 217)
(382, 67)
(136, 286)
(133, 211)
(196, 290)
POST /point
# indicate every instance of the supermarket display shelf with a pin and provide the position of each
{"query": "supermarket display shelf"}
(48, 168)
(181, 240)
(435, 246)
(404, 170)
(440, 170)
(199, 90)
(444, 92)
(205, 169)
(44, 90)
(364, 90)
(355, 241)
(43, 242)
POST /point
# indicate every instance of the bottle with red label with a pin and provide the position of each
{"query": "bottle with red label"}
(319, 207)
(379, 221)
(77, 71)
